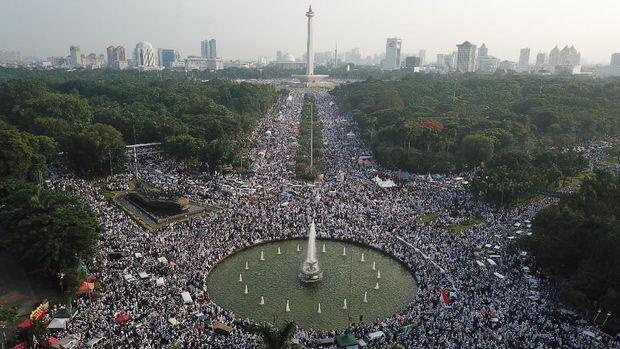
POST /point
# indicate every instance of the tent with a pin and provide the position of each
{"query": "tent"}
(68, 342)
(187, 299)
(159, 282)
(22, 345)
(143, 275)
(58, 324)
(388, 183)
(173, 321)
(346, 341)
(200, 234)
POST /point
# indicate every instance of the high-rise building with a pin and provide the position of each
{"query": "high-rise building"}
(440, 60)
(541, 59)
(166, 57)
(615, 60)
(144, 56)
(422, 56)
(483, 51)
(569, 56)
(116, 57)
(487, 64)
(205, 50)
(524, 57)
(213, 49)
(554, 56)
(466, 57)
(279, 56)
(208, 49)
(76, 56)
(412, 62)
(392, 54)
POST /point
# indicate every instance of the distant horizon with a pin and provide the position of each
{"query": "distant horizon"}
(247, 31)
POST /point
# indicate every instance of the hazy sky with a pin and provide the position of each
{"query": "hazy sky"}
(248, 29)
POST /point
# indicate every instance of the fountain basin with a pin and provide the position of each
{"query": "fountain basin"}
(277, 279)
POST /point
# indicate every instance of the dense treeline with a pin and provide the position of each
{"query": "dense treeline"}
(92, 114)
(309, 128)
(48, 231)
(446, 123)
(579, 240)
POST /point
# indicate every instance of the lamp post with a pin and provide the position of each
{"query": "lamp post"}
(606, 318)
(598, 312)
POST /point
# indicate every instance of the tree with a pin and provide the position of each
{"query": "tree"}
(46, 230)
(477, 149)
(275, 338)
(71, 108)
(183, 147)
(24, 156)
(97, 150)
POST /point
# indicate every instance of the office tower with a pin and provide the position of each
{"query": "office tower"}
(483, 51)
(569, 56)
(112, 57)
(487, 64)
(554, 56)
(541, 59)
(204, 49)
(615, 60)
(412, 62)
(279, 56)
(508, 66)
(144, 55)
(166, 57)
(422, 56)
(212, 49)
(76, 56)
(392, 54)
(440, 60)
(466, 57)
(524, 57)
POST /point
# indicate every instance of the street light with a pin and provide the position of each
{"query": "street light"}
(598, 312)
(606, 317)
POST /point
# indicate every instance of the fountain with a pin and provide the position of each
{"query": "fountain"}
(262, 300)
(279, 250)
(365, 297)
(310, 271)
(298, 249)
(374, 266)
(247, 265)
(288, 308)
(344, 304)
(378, 274)
(318, 311)
(323, 248)
(362, 260)
(262, 255)
(240, 278)
(344, 251)
(246, 289)
(377, 285)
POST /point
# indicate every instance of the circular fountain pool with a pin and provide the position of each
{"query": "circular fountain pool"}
(344, 277)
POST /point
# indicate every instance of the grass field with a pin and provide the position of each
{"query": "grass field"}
(429, 217)
(458, 228)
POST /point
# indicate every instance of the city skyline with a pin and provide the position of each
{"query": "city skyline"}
(260, 29)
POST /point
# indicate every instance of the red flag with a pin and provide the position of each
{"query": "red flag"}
(444, 298)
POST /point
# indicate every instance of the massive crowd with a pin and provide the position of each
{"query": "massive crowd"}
(495, 301)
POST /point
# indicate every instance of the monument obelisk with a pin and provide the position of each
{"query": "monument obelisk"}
(310, 271)
(310, 79)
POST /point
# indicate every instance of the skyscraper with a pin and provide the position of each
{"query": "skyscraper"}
(116, 57)
(144, 56)
(204, 49)
(483, 51)
(615, 60)
(166, 57)
(212, 49)
(76, 56)
(541, 59)
(392, 54)
(466, 57)
(440, 60)
(208, 49)
(422, 56)
(524, 57)
(554, 56)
